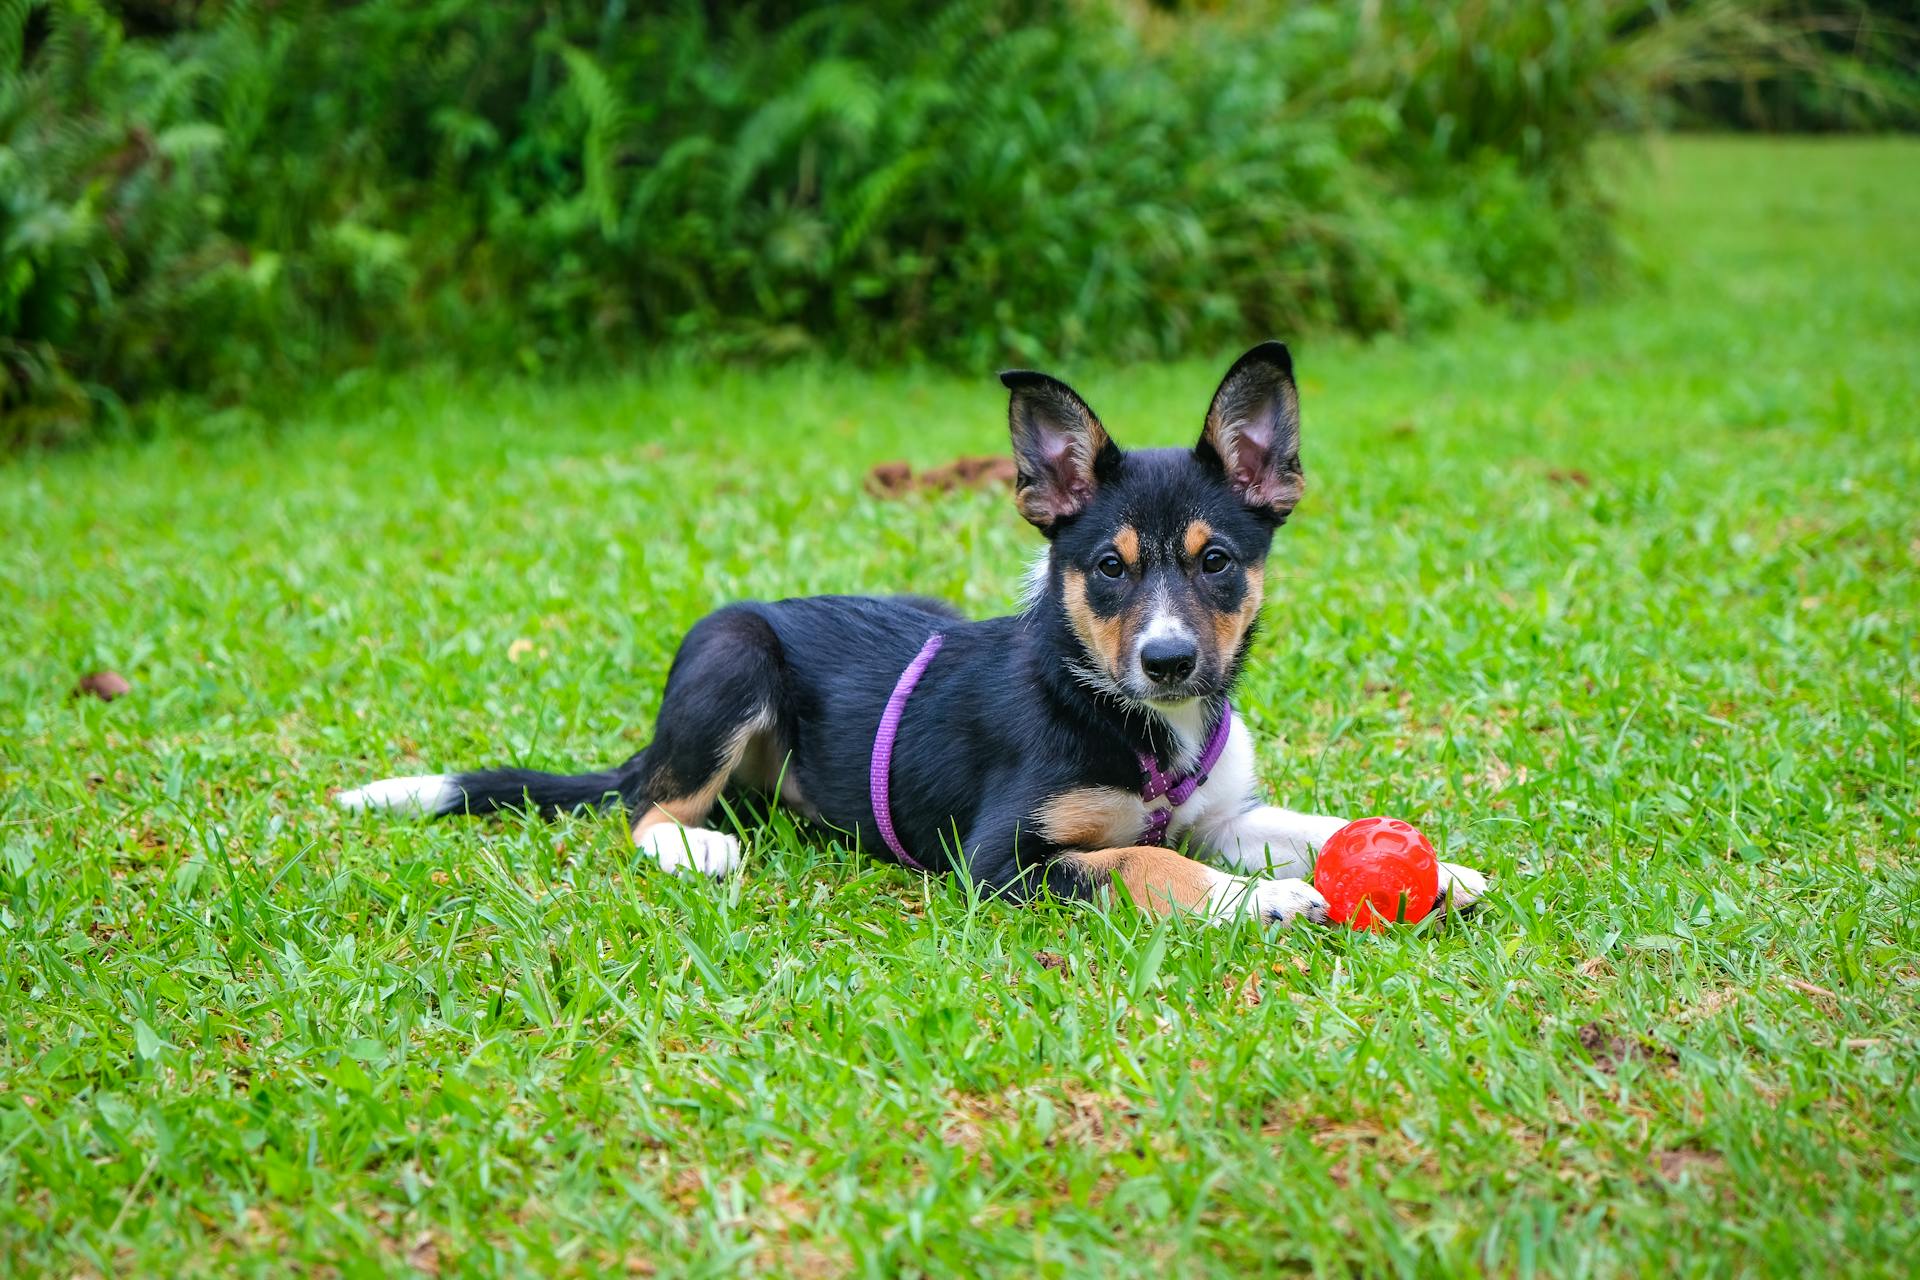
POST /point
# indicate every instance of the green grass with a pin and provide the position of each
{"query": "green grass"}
(1620, 606)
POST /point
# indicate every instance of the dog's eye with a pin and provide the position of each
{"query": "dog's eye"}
(1111, 565)
(1215, 561)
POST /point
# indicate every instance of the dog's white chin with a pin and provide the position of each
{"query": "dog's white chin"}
(1186, 718)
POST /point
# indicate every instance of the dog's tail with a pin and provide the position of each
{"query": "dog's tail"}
(436, 794)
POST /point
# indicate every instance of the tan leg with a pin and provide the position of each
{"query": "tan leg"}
(670, 829)
(1162, 882)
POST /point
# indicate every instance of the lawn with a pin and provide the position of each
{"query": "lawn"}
(1619, 605)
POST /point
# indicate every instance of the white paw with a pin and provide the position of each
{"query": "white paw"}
(1460, 887)
(678, 848)
(1282, 900)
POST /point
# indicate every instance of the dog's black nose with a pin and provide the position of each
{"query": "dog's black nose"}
(1168, 660)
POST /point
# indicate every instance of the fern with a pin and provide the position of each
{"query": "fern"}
(836, 97)
(604, 113)
(13, 34)
(877, 196)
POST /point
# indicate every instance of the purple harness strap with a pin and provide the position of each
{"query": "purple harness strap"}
(1179, 788)
(882, 768)
(1175, 788)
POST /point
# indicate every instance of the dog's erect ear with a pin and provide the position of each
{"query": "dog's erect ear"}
(1253, 431)
(1060, 450)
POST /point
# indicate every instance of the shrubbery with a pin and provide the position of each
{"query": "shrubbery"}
(214, 197)
(1808, 65)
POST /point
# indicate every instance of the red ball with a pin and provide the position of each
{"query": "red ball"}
(1374, 869)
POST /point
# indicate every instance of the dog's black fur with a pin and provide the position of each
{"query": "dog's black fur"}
(1014, 711)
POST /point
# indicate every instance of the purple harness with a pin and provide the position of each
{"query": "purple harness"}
(1175, 789)
(1178, 788)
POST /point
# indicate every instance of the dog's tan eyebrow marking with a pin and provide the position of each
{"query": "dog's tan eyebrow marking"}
(1199, 534)
(1127, 542)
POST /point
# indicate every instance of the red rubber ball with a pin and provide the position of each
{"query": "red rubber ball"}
(1375, 870)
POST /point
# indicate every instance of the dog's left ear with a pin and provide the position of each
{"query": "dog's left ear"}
(1060, 450)
(1253, 431)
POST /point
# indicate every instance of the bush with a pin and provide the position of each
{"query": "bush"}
(217, 197)
(1811, 65)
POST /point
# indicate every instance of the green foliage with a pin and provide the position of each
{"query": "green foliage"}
(215, 197)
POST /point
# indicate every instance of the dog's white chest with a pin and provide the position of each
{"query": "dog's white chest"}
(1230, 788)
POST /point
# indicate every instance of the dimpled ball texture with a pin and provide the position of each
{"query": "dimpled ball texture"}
(1376, 870)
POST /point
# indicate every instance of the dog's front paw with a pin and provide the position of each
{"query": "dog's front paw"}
(1281, 900)
(1460, 887)
(678, 848)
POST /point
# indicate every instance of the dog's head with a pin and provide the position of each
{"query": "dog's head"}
(1158, 556)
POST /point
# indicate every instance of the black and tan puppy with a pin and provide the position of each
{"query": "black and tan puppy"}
(1068, 746)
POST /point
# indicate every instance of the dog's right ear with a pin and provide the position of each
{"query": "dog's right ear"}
(1060, 450)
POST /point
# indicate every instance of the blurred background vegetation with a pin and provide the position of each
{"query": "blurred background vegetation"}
(221, 199)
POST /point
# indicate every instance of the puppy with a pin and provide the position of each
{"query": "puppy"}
(1071, 746)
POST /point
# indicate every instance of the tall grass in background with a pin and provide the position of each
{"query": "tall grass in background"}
(1814, 65)
(221, 197)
